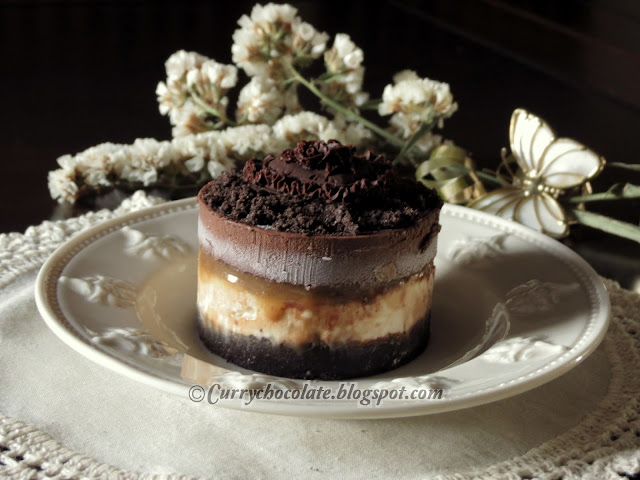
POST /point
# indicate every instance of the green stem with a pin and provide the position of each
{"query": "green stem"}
(389, 137)
(606, 224)
(599, 197)
(592, 198)
(488, 178)
(288, 81)
(617, 192)
(209, 109)
(327, 76)
(625, 166)
(424, 128)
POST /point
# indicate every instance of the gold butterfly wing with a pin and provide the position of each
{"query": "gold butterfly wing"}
(551, 165)
(539, 211)
(529, 138)
(566, 163)
(559, 163)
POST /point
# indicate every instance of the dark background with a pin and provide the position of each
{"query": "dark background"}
(77, 73)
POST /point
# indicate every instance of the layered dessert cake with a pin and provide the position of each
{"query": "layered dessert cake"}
(316, 263)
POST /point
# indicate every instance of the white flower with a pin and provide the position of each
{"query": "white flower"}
(146, 161)
(62, 185)
(96, 177)
(306, 32)
(352, 133)
(344, 54)
(215, 168)
(138, 175)
(344, 62)
(264, 35)
(225, 76)
(182, 130)
(413, 100)
(274, 32)
(405, 75)
(307, 41)
(194, 78)
(187, 119)
(272, 13)
(190, 74)
(360, 98)
(260, 102)
(213, 76)
(245, 52)
(143, 162)
(210, 83)
(149, 153)
(248, 139)
(67, 162)
(292, 128)
(194, 164)
(149, 177)
(305, 125)
(170, 97)
(405, 124)
(181, 62)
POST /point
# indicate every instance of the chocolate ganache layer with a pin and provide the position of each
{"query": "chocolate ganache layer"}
(320, 215)
(327, 171)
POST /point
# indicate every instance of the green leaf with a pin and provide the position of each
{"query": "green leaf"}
(607, 224)
(488, 178)
(619, 191)
(625, 166)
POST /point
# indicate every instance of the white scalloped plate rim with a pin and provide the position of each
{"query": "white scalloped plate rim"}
(595, 326)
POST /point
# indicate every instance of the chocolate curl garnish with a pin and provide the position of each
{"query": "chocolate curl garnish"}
(318, 169)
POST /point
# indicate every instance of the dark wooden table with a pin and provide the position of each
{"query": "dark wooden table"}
(76, 73)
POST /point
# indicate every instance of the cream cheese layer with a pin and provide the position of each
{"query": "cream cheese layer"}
(241, 304)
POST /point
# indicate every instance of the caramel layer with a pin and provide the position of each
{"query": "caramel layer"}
(241, 304)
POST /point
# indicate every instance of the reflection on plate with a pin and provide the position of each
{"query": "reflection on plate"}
(512, 309)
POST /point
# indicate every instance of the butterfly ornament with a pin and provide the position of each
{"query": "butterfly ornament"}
(540, 168)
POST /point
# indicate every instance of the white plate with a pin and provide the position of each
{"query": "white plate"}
(512, 310)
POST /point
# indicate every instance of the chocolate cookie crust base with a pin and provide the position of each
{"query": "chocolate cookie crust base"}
(318, 360)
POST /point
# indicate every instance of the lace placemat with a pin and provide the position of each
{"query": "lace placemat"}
(605, 444)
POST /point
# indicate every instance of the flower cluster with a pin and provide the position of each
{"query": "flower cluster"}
(345, 72)
(269, 42)
(272, 45)
(188, 161)
(194, 95)
(312, 126)
(272, 37)
(260, 102)
(413, 101)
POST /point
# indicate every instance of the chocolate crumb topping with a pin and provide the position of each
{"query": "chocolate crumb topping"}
(318, 169)
(321, 188)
